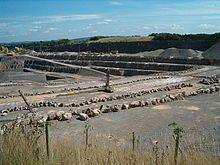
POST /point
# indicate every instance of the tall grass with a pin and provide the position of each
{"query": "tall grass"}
(18, 148)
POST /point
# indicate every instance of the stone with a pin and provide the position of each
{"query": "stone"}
(162, 100)
(217, 88)
(51, 115)
(105, 109)
(115, 108)
(95, 112)
(172, 97)
(124, 106)
(134, 104)
(66, 116)
(4, 114)
(82, 117)
(147, 102)
(60, 104)
(154, 102)
(59, 115)
(207, 91)
(212, 89)
(141, 103)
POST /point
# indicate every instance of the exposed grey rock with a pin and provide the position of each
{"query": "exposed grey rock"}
(147, 102)
(134, 104)
(51, 115)
(105, 109)
(59, 115)
(172, 97)
(154, 102)
(125, 106)
(217, 88)
(82, 117)
(66, 116)
(115, 108)
(141, 103)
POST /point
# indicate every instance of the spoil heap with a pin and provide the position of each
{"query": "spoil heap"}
(213, 52)
(181, 53)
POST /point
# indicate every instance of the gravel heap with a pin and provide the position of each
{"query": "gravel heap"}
(181, 53)
(213, 52)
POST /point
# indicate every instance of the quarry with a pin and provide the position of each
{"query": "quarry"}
(117, 93)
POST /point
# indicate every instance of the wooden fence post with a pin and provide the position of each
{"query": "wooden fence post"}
(48, 141)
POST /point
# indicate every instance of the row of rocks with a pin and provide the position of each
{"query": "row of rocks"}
(103, 99)
(129, 95)
(208, 81)
(149, 102)
(81, 88)
(33, 118)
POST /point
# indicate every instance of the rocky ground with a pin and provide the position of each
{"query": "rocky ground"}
(141, 104)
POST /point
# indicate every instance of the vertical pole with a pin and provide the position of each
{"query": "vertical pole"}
(107, 78)
(176, 149)
(133, 141)
(48, 141)
(87, 137)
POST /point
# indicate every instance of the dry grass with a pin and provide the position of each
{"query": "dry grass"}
(17, 149)
(124, 39)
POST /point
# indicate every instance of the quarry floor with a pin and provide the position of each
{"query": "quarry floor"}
(199, 115)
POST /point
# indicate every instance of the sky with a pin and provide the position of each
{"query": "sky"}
(39, 20)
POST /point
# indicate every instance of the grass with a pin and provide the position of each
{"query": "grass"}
(18, 148)
(123, 39)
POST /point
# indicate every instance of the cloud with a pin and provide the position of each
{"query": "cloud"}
(104, 22)
(206, 26)
(50, 30)
(116, 3)
(176, 27)
(7, 35)
(52, 18)
(33, 30)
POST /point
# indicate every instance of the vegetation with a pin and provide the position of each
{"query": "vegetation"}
(14, 51)
(55, 44)
(186, 37)
(120, 39)
(21, 147)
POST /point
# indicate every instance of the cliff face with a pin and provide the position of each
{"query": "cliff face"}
(130, 47)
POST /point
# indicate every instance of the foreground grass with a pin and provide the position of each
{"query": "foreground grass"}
(19, 149)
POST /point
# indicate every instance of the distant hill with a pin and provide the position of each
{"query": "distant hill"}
(125, 44)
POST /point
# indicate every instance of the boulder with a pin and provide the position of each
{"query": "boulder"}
(147, 102)
(154, 102)
(66, 116)
(115, 108)
(217, 88)
(96, 112)
(124, 106)
(82, 117)
(51, 115)
(172, 97)
(141, 103)
(134, 104)
(105, 109)
(59, 115)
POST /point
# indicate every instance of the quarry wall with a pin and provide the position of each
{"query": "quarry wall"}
(129, 47)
